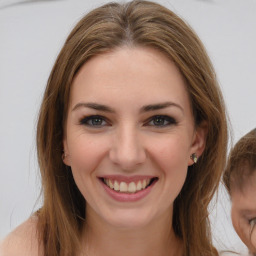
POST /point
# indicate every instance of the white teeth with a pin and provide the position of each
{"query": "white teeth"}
(111, 185)
(116, 186)
(123, 187)
(131, 187)
(127, 187)
(139, 186)
(144, 184)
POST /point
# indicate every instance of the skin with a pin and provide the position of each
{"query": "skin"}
(243, 212)
(22, 240)
(129, 141)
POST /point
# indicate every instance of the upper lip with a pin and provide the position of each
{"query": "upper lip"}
(127, 179)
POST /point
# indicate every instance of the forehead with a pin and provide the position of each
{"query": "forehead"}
(143, 73)
(245, 196)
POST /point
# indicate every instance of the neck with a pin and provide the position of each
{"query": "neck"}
(155, 239)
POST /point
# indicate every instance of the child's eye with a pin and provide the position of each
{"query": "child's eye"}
(161, 121)
(94, 121)
(252, 222)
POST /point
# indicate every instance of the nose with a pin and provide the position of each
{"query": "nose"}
(127, 150)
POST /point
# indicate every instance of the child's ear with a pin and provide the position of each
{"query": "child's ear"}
(198, 142)
(65, 155)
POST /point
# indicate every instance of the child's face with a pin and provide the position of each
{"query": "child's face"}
(244, 212)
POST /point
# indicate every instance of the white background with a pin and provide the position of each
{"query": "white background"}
(31, 35)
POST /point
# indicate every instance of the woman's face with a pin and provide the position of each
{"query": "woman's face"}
(129, 136)
(243, 212)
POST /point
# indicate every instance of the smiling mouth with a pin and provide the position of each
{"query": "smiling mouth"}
(128, 187)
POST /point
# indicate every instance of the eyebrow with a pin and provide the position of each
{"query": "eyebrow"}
(147, 108)
(95, 106)
(160, 106)
(247, 211)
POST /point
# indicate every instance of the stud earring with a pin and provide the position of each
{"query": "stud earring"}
(194, 158)
(64, 155)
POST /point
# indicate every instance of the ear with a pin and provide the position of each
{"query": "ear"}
(65, 156)
(198, 141)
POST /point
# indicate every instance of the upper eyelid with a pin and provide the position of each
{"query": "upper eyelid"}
(248, 214)
(162, 116)
(90, 117)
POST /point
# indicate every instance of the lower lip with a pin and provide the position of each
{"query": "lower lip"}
(128, 197)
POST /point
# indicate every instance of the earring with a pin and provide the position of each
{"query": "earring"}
(194, 158)
(63, 156)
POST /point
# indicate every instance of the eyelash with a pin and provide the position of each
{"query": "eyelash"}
(87, 119)
(163, 121)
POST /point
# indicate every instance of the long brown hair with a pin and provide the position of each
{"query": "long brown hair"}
(137, 23)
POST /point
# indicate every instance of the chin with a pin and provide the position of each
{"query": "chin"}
(128, 219)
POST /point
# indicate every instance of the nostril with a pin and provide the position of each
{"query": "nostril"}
(127, 161)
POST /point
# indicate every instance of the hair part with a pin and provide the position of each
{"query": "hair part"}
(133, 24)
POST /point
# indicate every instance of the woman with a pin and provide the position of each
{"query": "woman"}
(240, 181)
(131, 140)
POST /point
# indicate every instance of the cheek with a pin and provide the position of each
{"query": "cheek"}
(241, 227)
(236, 221)
(253, 237)
(86, 152)
(172, 159)
(171, 154)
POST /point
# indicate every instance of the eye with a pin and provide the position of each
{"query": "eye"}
(161, 121)
(94, 121)
(252, 222)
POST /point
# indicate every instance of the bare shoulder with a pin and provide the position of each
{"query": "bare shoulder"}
(22, 241)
